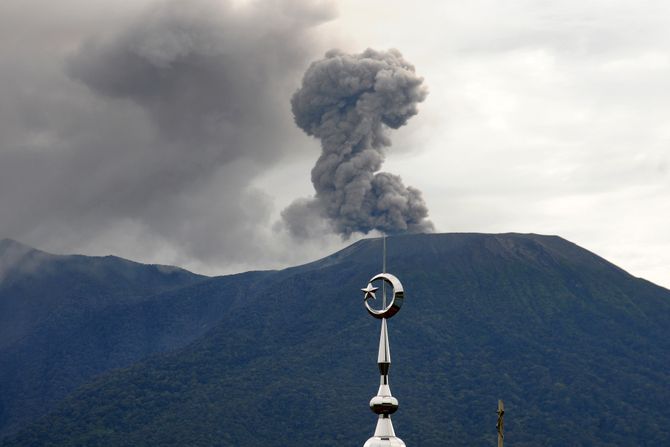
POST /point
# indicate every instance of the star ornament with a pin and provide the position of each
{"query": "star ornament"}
(369, 292)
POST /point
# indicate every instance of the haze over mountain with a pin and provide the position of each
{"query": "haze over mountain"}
(575, 346)
(64, 319)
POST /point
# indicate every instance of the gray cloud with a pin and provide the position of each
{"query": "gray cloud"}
(145, 137)
(347, 101)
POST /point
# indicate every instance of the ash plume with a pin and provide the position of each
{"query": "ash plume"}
(347, 101)
(142, 133)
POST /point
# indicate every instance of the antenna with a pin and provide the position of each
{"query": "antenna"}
(384, 271)
(500, 425)
(384, 255)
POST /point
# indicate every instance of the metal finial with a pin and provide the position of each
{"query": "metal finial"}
(384, 404)
(397, 296)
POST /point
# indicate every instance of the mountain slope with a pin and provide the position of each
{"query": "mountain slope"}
(574, 345)
(34, 285)
(65, 319)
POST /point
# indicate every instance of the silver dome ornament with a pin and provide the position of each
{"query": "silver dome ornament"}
(384, 404)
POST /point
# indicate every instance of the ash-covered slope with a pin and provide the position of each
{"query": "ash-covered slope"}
(575, 346)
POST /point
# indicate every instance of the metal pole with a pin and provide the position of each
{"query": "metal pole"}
(500, 425)
(384, 271)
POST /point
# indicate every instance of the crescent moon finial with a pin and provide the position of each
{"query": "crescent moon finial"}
(396, 298)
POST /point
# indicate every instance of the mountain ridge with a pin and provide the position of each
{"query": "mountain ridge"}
(46, 298)
(558, 332)
(10, 246)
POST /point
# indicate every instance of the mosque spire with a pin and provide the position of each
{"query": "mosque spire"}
(384, 404)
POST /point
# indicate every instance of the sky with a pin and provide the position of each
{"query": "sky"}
(163, 131)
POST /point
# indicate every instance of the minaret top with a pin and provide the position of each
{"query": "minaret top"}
(384, 404)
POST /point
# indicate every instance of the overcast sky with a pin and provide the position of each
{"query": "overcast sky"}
(162, 131)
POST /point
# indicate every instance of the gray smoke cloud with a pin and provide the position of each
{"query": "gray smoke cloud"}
(139, 130)
(347, 101)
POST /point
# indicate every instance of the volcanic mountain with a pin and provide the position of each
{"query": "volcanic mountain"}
(575, 346)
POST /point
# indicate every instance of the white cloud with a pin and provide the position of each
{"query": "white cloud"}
(547, 117)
